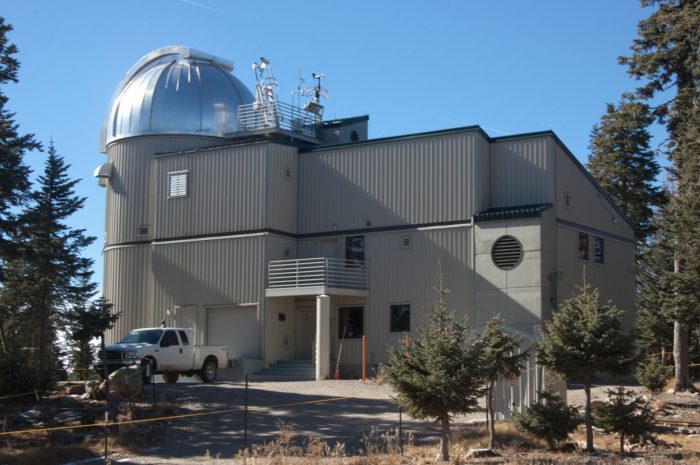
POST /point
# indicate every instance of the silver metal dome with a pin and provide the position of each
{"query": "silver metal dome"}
(175, 90)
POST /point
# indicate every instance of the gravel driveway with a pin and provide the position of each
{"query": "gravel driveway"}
(337, 411)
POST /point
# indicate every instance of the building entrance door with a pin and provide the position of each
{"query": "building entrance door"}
(305, 333)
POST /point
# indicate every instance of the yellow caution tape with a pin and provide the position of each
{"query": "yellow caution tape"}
(152, 420)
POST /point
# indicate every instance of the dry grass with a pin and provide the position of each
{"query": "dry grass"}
(46, 455)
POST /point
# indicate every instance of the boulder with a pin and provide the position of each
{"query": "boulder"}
(73, 389)
(126, 382)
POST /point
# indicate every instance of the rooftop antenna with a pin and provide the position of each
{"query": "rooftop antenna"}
(266, 92)
(314, 106)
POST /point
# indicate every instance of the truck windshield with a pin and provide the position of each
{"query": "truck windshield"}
(146, 337)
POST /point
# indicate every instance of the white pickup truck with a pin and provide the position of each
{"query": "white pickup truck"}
(166, 351)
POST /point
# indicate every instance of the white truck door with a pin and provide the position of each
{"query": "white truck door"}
(187, 357)
(168, 354)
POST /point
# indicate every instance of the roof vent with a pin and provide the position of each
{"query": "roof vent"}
(507, 252)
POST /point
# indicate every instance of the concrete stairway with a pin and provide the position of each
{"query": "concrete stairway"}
(286, 370)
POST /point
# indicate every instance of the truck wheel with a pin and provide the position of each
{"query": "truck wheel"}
(171, 377)
(208, 372)
(147, 369)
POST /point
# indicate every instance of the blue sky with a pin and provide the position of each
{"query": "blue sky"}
(413, 66)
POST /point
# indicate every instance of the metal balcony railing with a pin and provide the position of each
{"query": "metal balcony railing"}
(317, 272)
(270, 115)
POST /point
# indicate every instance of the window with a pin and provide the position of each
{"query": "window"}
(582, 246)
(599, 250)
(169, 339)
(184, 339)
(354, 251)
(406, 242)
(400, 318)
(351, 322)
(177, 184)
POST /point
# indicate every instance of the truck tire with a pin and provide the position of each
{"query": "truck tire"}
(148, 366)
(209, 371)
(171, 378)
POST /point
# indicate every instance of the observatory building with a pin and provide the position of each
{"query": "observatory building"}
(285, 236)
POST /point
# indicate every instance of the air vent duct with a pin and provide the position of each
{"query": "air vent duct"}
(507, 252)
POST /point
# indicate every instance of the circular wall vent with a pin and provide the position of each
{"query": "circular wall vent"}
(507, 252)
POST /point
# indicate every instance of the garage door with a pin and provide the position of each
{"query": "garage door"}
(235, 327)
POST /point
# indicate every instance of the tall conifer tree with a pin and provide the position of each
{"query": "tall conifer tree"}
(14, 182)
(623, 163)
(52, 276)
(665, 56)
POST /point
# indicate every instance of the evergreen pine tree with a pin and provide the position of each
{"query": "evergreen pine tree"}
(623, 163)
(665, 56)
(549, 419)
(500, 360)
(86, 323)
(654, 319)
(440, 374)
(51, 276)
(14, 181)
(584, 340)
(624, 415)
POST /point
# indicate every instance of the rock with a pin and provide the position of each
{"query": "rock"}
(480, 453)
(70, 415)
(126, 382)
(568, 447)
(683, 430)
(74, 389)
(31, 415)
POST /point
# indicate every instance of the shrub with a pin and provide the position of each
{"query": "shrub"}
(624, 415)
(653, 375)
(549, 419)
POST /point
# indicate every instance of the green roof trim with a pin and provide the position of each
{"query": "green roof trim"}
(512, 213)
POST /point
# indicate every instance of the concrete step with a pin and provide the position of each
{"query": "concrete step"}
(286, 370)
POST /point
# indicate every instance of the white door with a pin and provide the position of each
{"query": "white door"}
(168, 355)
(186, 317)
(235, 327)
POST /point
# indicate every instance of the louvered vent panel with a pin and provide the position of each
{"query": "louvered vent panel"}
(507, 252)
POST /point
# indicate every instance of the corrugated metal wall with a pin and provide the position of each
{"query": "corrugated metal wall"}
(522, 171)
(226, 192)
(400, 275)
(407, 181)
(587, 205)
(282, 187)
(129, 189)
(209, 272)
(126, 286)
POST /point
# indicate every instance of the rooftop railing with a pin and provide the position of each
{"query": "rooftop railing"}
(271, 115)
(317, 272)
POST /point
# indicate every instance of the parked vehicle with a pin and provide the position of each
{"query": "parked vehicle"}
(165, 351)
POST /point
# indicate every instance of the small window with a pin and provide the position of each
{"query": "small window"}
(354, 251)
(281, 317)
(599, 250)
(354, 136)
(177, 184)
(143, 230)
(184, 339)
(582, 246)
(400, 318)
(287, 173)
(169, 339)
(406, 242)
(351, 322)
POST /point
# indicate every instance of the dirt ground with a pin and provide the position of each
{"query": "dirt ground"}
(339, 412)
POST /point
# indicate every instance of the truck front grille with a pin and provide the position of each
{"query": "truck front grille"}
(110, 355)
